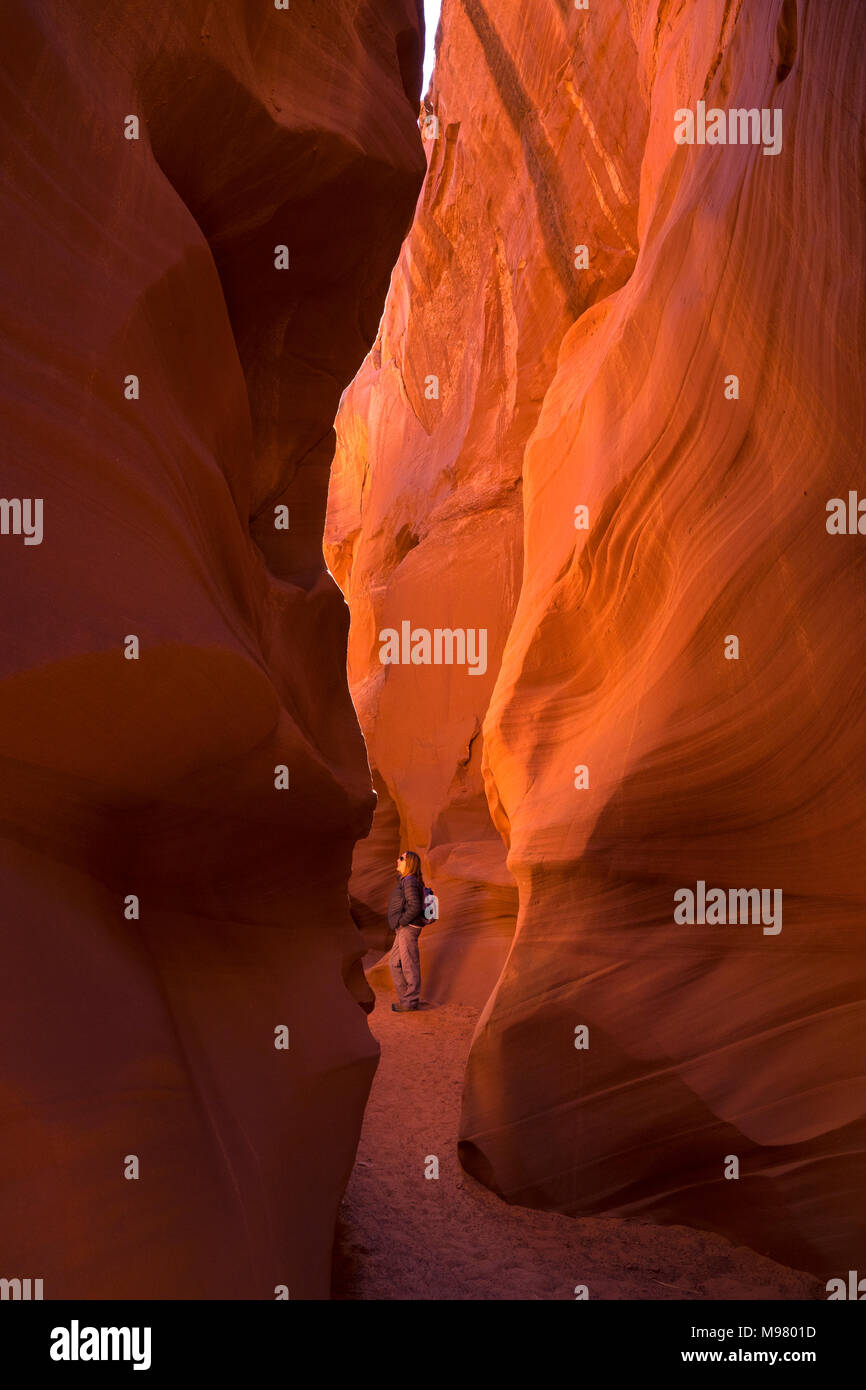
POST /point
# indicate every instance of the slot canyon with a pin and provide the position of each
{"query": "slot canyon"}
(296, 355)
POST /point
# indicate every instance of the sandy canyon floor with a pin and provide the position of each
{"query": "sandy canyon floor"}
(403, 1236)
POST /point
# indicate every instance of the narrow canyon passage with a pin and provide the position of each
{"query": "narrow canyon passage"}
(403, 1236)
(578, 511)
(466, 463)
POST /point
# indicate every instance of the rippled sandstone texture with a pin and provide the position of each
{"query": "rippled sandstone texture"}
(155, 257)
(425, 506)
(606, 388)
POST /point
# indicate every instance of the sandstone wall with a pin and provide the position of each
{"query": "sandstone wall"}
(425, 507)
(154, 777)
(608, 388)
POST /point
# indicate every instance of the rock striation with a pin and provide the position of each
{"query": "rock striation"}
(425, 508)
(202, 206)
(624, 478)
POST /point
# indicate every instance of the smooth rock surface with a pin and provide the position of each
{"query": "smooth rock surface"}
(425, 507)
(606, 388)
(154, 1037)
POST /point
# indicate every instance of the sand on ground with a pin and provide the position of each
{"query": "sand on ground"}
(401, 1235)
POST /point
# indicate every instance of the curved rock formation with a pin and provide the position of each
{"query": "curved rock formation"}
(693, 383)
(169, 392)
(425, 509)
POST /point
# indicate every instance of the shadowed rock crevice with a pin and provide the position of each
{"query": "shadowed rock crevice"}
(300, 333)
(786, 39)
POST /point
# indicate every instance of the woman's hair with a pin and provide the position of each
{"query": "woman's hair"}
(413, 862)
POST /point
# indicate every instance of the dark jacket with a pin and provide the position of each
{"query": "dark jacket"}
(406, 908)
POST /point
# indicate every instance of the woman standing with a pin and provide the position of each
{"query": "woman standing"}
(406, 918)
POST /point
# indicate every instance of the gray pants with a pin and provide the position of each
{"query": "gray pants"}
(406, 965)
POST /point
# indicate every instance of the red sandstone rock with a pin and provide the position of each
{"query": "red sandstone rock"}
(155, 777)
(425, 515)
(607, 388)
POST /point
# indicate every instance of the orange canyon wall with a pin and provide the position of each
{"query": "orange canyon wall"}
(604, 380)
(149, 1030)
